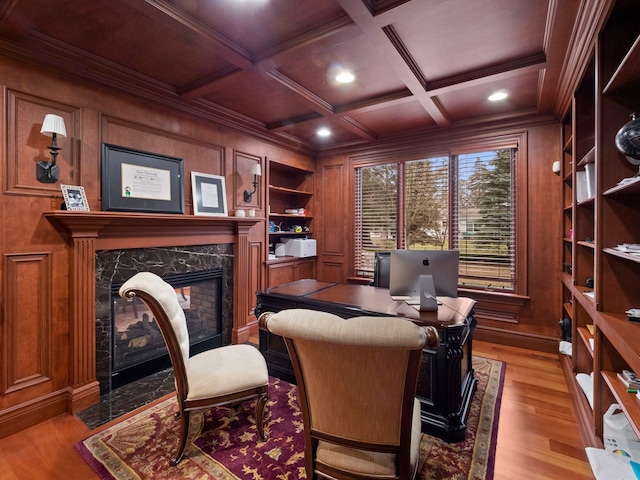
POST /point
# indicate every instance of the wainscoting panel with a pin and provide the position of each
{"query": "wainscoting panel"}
(26, 146)
(26, 343)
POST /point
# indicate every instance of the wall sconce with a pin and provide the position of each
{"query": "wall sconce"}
(256, 171)
(53, 125)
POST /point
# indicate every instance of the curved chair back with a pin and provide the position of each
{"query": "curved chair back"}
(357, 382)
(161, 299)
(381, 269)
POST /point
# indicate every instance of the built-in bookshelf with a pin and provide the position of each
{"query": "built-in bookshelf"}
(600, 282)
(290, 215)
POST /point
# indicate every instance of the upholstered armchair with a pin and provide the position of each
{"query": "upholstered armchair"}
(356, 383)
(219, 376)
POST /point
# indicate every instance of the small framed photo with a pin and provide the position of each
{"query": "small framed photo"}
(75, 198)
(209, 194)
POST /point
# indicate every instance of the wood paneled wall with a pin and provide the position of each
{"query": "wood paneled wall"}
(39, 375)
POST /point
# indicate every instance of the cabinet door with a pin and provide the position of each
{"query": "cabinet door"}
(305, 269)
(280, 273)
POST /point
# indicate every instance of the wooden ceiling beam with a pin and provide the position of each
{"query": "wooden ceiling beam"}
(397, 56)
(489, 74)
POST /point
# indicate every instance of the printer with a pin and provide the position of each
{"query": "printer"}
(300, 247)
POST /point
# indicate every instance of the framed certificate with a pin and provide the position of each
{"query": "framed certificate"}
(137, 181)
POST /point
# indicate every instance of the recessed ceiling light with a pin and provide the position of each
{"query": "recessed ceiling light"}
(498, 96)
(323, 132)
(345, 77)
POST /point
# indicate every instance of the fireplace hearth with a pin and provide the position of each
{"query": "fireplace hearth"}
(129, 344)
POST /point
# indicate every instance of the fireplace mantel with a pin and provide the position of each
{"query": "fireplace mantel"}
(139, 230)
(87, 232)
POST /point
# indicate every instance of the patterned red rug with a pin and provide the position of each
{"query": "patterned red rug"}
(226, 445)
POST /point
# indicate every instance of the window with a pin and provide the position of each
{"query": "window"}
(460, 201)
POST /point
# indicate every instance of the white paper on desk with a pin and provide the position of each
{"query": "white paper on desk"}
(609, 466)
(400, 298)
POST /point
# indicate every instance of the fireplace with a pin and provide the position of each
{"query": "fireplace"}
(129, 345)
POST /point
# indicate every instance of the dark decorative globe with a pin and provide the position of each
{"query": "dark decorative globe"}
(628, 141)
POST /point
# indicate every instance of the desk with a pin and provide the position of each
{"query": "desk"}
(446, 381)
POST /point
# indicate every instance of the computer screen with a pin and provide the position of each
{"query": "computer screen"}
(407, 266)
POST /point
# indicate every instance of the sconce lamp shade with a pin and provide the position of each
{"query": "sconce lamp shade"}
(256, 169)
(53, 124)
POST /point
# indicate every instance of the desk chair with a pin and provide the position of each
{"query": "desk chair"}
(219, 376)
(381, 269)
(356, 383)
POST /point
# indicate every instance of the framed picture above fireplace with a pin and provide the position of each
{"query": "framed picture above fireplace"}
(209, 195)
(137, 181)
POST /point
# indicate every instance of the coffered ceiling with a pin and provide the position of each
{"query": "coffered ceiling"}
(266, 66)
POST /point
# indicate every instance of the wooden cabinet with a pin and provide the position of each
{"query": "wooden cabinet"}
(601, 282)
(290, 269)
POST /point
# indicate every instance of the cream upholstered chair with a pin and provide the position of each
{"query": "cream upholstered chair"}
(218, 376)
(356, 384)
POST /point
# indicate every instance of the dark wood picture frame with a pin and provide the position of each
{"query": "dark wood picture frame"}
(138, 181)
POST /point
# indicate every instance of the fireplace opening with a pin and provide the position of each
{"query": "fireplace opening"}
(137, 346)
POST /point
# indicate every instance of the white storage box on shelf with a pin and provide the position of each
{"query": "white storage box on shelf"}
(301, 248)
(618, 436)
(582, 190)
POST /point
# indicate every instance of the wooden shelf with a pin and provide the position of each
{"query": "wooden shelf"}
(289, 215)
(586, 336)
(629, 402)
(290, 233)
(628, 71)
(627, 256)
(589, 157)
(288, 191)
(587, 201)
(624, 334)
(630, 187)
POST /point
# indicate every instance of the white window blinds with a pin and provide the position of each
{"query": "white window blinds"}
(484, 219)
(463, 201)
(376, 213)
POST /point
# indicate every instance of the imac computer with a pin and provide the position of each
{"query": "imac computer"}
(413, 271)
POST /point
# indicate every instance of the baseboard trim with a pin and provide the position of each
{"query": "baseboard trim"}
(25, 415)
(83, 396)
(529, 341)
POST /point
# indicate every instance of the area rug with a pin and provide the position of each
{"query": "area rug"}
(226, 446)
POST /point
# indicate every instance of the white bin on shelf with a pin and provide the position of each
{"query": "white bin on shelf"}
(617, 434)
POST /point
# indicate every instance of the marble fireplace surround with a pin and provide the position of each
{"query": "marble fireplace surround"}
(88, 232)
(114, 267)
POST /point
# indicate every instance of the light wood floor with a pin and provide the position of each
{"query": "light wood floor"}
(537, 436)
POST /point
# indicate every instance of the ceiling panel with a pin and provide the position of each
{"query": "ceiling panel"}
(257, 96)
(481, 33)
(258, 25)
(522, 95)
(317, 70)
(394, 119)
